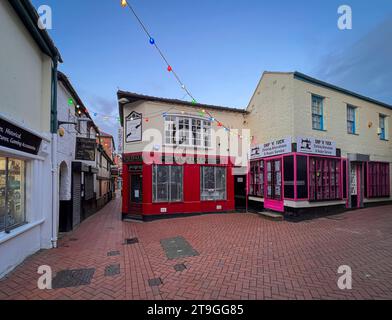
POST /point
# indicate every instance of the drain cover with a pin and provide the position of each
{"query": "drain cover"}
(131, 241)
(112, 270)
(155, 282)
(180, 267)
(72, 278)
(113, 253)
(178, 247)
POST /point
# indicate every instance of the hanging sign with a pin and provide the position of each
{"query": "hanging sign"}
(272, 148)
(316, 146)
(85, 149)
(14, 137)
(133, 127)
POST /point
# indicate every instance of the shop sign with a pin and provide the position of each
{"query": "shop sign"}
(272, 148)
(133, 127)
(132, 158)
(85, 149)
(316, 146)
(14, 137)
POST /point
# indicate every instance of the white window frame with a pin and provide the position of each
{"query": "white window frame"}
(168, 184)
(205, 131)
(202, 183)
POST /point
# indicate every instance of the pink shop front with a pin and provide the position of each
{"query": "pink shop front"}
(311, 174)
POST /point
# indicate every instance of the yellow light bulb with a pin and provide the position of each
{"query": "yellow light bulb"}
(124, 3)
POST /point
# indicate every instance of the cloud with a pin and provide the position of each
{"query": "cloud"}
(365, 67)
(105, 107)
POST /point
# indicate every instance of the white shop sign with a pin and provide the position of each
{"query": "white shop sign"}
(272, 148)
(316, 146)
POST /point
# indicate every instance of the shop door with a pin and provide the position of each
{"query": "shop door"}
(356, 184)
(136, 196)
(273, 185)
(240, 192)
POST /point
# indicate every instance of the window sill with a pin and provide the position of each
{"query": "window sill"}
(386, 140)
(4, 237)
(353, 134)
(324, 130)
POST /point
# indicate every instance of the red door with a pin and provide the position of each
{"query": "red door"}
(273, 185)
(135, 196)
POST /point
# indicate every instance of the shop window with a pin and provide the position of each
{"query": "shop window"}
(344, 179)
(187, 131)
(288, 169)
(212, 183)
(324, 179)
(12, 193)
(317, 112)
(302, 177)
(378, 180)
(351, 125)
(167, 183)
(257, 178)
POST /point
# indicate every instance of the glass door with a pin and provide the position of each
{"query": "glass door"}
(274, 187)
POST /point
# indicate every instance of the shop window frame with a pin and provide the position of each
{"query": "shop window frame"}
(169, 200)
(378, 180)
(215, 182)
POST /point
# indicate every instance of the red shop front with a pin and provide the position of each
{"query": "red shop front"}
(163, 184)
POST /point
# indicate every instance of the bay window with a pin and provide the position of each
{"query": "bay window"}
(12, 193)
(187, 131)
(167, 183)
(212, 183)
(378, 180)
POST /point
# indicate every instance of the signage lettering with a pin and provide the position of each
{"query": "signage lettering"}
(14, 137)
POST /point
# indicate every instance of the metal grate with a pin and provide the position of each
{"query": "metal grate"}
(155, 282)
(180, 267)
(112, 270)
(131, 241)
(113, 253)
(72, 278)
(178, 247)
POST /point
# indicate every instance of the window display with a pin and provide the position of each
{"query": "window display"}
(213, 183)
(167, 183)
(12, 193)
(378, 180)
(324, 179)
(257, 178)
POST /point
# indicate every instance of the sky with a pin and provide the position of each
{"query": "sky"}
(218, 48)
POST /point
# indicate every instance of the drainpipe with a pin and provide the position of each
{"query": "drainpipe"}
(54, 128)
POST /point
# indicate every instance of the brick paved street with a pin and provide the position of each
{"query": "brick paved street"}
(241, 256)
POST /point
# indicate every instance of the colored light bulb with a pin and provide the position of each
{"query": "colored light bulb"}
(70, 102)
(152, 41)
(169, 68)
(124, 3)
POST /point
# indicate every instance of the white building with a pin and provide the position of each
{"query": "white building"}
(28, 202)
(77, 157)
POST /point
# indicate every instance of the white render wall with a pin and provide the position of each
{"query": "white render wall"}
(153, 130)
(25, 80)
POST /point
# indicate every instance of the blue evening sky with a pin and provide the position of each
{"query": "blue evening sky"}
(218, 48)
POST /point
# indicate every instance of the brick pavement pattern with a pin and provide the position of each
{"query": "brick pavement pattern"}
(241, 256)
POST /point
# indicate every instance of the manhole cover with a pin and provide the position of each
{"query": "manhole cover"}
(178, 247)
(180, 267)
(72, 278)
(155, 282)
(113, 253)
(131, 241)
(112, 270)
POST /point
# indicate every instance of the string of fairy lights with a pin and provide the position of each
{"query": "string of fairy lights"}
(153, 42)
(147, 117)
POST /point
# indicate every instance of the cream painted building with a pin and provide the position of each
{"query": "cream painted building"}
(311, 114)
(28, 178)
